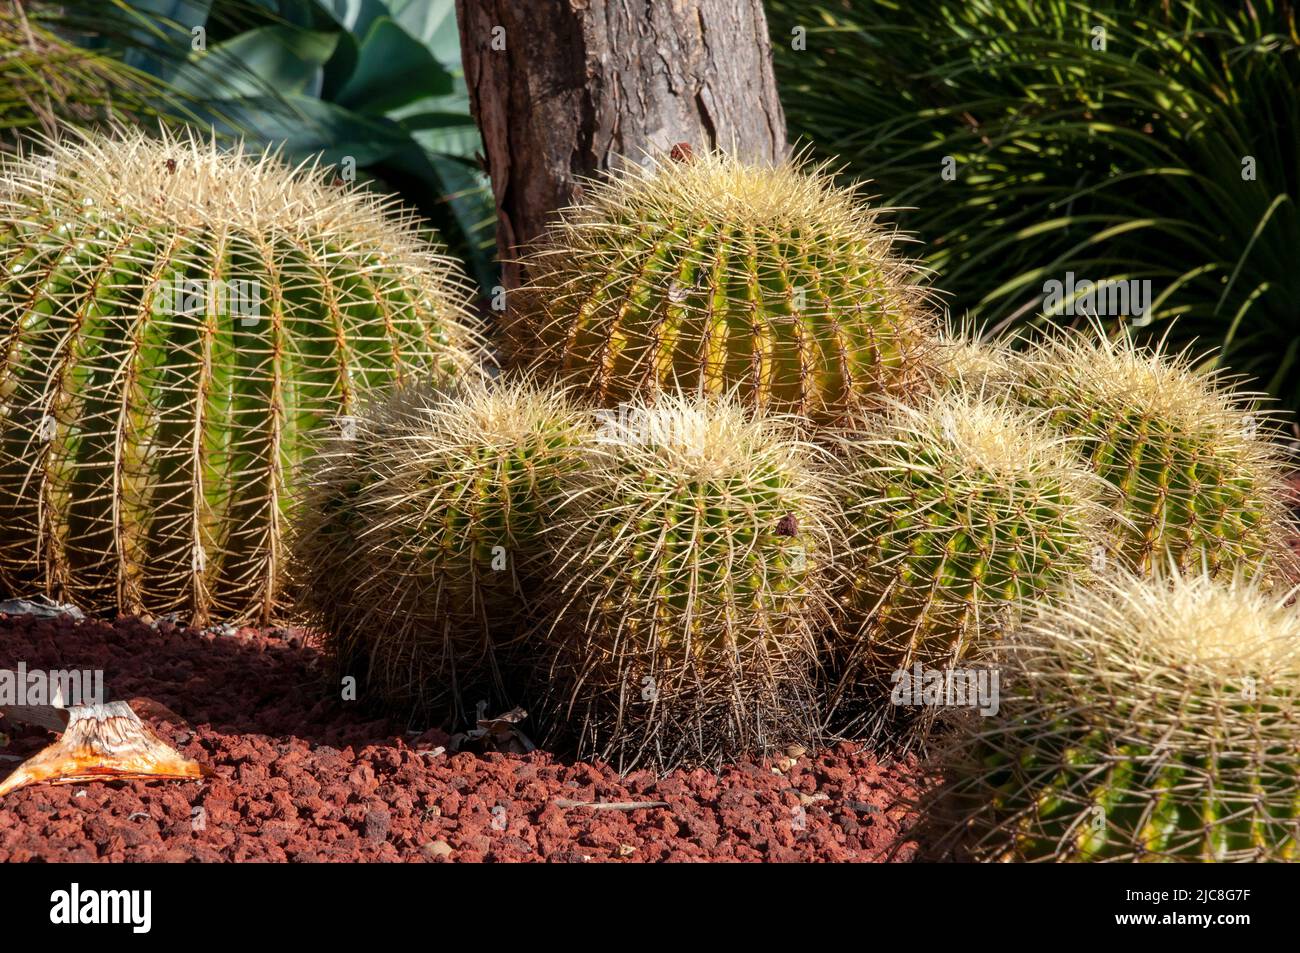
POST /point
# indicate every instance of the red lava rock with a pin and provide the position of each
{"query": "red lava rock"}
(302, 776)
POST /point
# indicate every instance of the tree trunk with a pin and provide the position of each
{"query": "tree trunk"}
(563, 89)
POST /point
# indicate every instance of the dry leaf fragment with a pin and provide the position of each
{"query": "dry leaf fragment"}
(107, 741)
(41, 607)
(50, 717)
(495, 734)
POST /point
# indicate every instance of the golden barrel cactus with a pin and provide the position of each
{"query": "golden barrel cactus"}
(175, 321)
(770, 283)
(688, 588)
(418, 541)
(1200, 475)
(1145, 720)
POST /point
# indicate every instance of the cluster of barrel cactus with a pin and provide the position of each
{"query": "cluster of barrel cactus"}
(733, 476)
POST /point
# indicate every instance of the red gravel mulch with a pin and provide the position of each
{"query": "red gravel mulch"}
(300, 776)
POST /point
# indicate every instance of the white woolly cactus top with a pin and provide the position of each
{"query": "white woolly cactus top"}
(1155, 384)
(184, 180)
(982, 437)
(700, 438)
(1203, 634)
(967, 359)
(1178, 660)
(476, 414)
(991, 436)
(717, 187)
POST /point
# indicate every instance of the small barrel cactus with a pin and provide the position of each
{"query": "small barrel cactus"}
(688, 587)
(960, 507)
(175, 321)
(1146, 720)
(418, 537)
(1200, 481)
(709, 275)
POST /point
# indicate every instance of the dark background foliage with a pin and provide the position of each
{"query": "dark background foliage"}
(375, 83)
(1117, 163)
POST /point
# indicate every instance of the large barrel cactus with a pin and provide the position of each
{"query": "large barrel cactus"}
(708, 274)
(1148, 720)
(175, 320)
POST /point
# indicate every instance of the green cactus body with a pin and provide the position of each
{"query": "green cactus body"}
(960, 508)
(1151, 721)
(174, 322)
(1200, 482)
(419, 538)
(709, 275)
(688, 586)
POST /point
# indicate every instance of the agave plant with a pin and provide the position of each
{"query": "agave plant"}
(374, 87)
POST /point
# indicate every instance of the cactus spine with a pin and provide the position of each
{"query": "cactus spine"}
(175, 320)
(1150, 719)
(710, 275)
(966, 359)
(419, 536)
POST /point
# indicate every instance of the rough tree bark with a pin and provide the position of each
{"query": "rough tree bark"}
(563, 89)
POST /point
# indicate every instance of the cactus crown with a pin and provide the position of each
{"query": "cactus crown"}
(771, 283)
(967, 359)
(1151, 719)
(683, 438)
(1169, 634)
(960, 507)
(697, 487)
(1199, 478)
(718, 188)
(182, 180)
(175, 321)
(988, 438)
